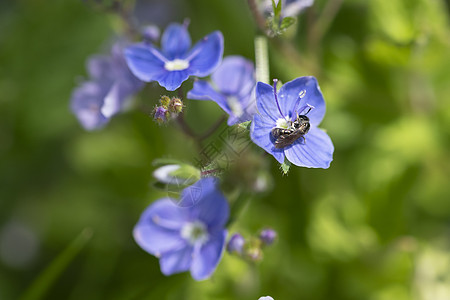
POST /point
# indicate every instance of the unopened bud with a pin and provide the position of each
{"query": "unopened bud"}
(175, 106)
(236, 244)
(165, 100)
(254, 254)
(150, 33)
(160, 114)
(268, 236)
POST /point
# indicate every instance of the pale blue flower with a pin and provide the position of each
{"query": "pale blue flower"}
(186, 237)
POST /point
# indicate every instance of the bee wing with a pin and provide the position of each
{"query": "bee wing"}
(287, 139)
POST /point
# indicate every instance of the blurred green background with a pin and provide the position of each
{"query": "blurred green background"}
(376, 225)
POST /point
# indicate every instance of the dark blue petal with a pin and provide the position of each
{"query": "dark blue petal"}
(206, 55)
(202, 90)
(260, 133)
(235, 76)
(289, 98)
(175, 41)
(176, 261)
(146, 62)
(210, 205)
(86, 104)
(158, 229)
(315, 152)
(265, 100)
(206, 258)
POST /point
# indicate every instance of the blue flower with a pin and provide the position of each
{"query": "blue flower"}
(300, 96)
(95, 101)
(232, 89)
(189, 236)
(174, 63)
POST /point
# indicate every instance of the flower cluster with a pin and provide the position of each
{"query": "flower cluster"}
(251, 249)
(188, 233)
(169, 108)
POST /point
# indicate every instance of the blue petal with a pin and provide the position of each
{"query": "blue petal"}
(206, 55)
(171, 80)
(235, 76)
(265, 100)
(145, 62)
(315, 152)
(176, 261)
(202, 90)
(260, 133)
(175, 41)
(289, 98)
(86, 104)
(207, 258)
(158, 229)
(210, 205)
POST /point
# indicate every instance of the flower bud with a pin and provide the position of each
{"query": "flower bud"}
(236, 244)
(160, 114)
(254, 254)
(150, 33)
(165, 100)
(268, 236)
(178, 174)
(175, 106)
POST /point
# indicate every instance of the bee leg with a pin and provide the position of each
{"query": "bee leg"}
(304, 140)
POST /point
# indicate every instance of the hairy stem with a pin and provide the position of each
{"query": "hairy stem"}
(262, 59)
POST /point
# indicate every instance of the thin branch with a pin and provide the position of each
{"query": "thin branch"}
(259, 18)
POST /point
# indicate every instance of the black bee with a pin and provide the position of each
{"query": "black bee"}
(287, 136)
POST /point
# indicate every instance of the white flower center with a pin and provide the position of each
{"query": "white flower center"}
(195, 233)
(176, 65)
(283, 123)
(235, 106)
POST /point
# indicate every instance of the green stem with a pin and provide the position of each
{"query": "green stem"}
(262, 59)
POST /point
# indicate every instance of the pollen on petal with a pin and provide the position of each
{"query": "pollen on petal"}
(283, 123)
(176, 65)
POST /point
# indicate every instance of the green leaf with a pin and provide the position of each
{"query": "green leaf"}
(277, 11)
(274, 6)
(40, 286)
(245, 125)
(285, 166)
(286, 23)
